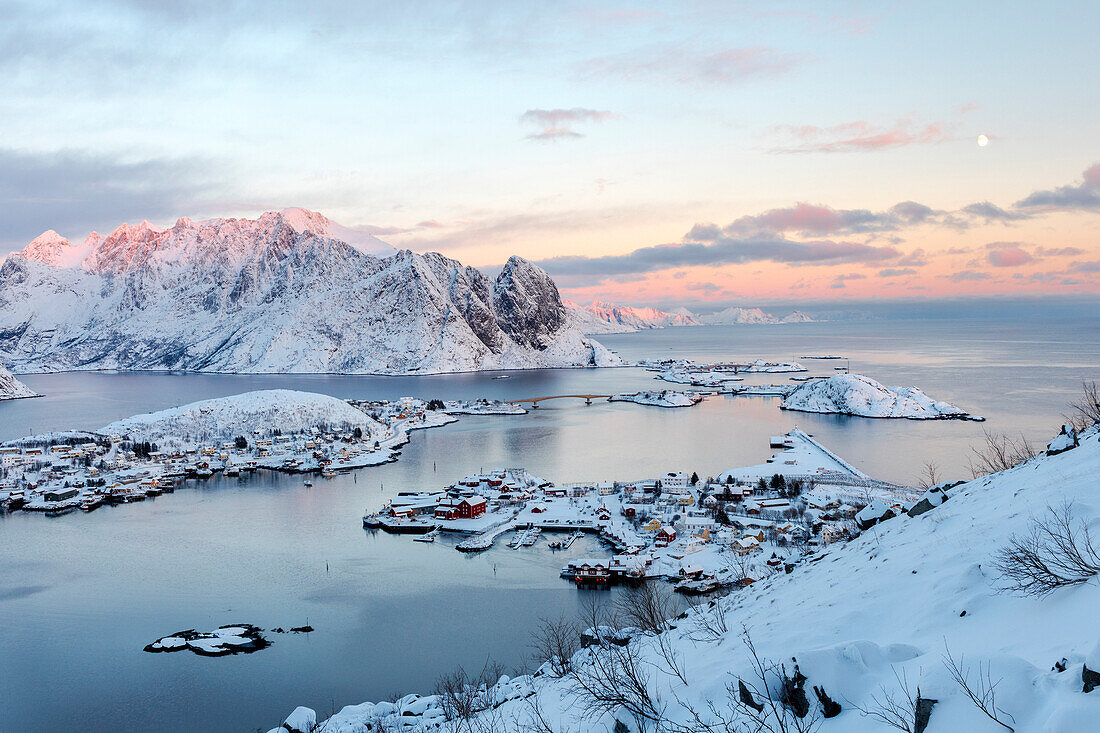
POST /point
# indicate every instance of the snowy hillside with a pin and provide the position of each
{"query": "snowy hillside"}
(914, 621)
(281, 293)
(225, 418)
(11, 388)
(604, 317)
(855, 394)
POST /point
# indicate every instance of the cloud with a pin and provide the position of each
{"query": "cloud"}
(1009, 256)
(687, 65)
(1093, 266)
(1058, 251)
(1084, 196)
(75, 191)
(991, 212)
(558, 124)
(897, 272)
(840, 280)
(817, 220)
(966, 275)
(858, 136)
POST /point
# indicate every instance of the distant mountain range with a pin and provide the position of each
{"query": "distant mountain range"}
(604, 317)
(289, 291)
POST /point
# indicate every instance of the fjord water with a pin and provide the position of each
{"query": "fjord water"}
(80, 595)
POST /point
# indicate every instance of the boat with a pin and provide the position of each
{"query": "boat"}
(371, 521)
(328, 473)
(308, 484)
(232, 470)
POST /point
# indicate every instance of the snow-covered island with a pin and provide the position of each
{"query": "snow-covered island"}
(11, 388)
(664, 398)
(918, 617)
(855, 394)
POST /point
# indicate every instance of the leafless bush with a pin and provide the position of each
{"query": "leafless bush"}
(710, 619)
(647, 607)
(764, 698)
(895, 709)
(982, 691)
(611, 678)
(555, 641)
(1084, 412)
(462, 695)
(670, 660)
(999, 453)
(929, 475)
(1056, 552)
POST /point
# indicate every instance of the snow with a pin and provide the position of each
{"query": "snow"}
(664, 398)
(604, 317)
(855, 394)
(224, 418)
(281, 293)
(862, 616)
(11, 388)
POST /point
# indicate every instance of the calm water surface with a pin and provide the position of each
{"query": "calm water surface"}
(80, 595)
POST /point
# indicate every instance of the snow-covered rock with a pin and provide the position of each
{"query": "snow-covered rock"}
(11, 388)
(855, 394)
(1065, 440)
(768, 367)
(282, 293)
(224, 418)
(302, 720)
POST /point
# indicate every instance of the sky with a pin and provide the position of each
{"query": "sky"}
(695, 152)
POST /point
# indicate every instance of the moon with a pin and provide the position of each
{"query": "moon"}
(983, 140)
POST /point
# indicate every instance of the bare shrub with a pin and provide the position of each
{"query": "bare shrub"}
(670, 661)
(462, 695)
(982, 691)
(611, 678)
(763, 698)
(999, 453)
(1084, 412)
(555, 641)
(929, 475)
(647, 607)
(897, 709)
(709, 617)
(1057, 551)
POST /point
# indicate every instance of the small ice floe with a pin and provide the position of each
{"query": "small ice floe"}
(231, 639)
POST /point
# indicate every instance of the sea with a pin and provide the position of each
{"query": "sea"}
(82, 594)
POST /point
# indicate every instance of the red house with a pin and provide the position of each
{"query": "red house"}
(470, 507)
(665, 536)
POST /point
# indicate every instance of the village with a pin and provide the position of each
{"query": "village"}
(703, 534)
(59, 473)
(145, 456)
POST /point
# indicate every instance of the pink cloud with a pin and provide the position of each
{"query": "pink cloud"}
(859, 136)
(1009, 257)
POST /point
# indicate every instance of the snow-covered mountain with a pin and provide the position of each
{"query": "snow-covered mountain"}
(11, 388)
(855, 394)
(734, 315)
(604, 317)
(286, 292)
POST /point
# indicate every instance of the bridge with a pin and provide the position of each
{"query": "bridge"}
(536, 400)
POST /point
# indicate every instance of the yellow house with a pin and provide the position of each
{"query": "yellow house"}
(652, 525)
